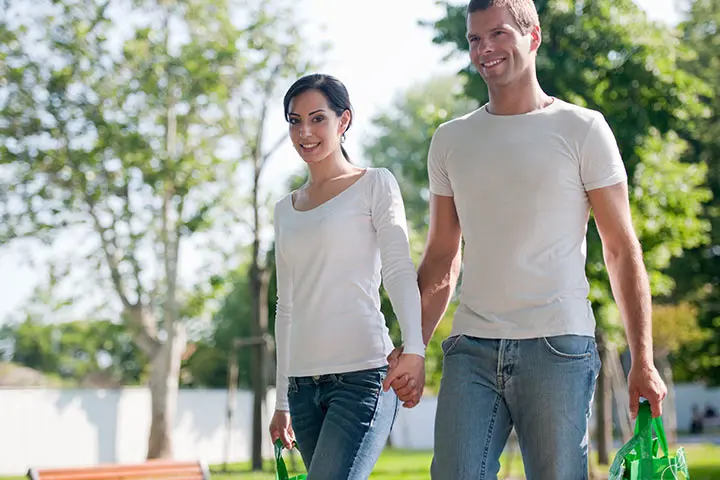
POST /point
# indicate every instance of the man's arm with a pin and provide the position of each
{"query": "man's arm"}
(631, 289)
(440, 265)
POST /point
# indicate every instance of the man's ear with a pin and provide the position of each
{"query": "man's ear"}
(535, 38)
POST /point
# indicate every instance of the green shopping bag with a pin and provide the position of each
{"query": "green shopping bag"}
(638, 459)
(281, 472)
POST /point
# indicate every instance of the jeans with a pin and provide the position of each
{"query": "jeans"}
(341, 422)
(541, 386)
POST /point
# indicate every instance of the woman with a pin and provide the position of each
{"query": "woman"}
(331, 238)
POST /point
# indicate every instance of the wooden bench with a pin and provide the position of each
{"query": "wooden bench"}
(152, 469)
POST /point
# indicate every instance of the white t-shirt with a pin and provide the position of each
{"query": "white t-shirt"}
(520, 185)
(329, 262)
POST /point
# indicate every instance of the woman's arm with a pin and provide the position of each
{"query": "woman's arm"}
(398, 271)
(283, 312)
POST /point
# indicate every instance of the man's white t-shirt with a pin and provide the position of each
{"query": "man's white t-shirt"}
(330, 261)
(519, 183)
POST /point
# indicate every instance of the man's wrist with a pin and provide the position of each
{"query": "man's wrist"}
(642, 359)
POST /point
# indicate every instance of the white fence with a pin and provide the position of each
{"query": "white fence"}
(55, 428)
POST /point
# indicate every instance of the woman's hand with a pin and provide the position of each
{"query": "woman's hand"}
(406, 376)
(281, 427)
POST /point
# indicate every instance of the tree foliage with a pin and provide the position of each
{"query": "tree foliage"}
(133, 139)
(698, 271)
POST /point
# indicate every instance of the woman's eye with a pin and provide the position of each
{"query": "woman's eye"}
(318, 119)
(293, 121)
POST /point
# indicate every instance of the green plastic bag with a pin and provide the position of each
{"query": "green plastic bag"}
(638, 459)
(281, 472)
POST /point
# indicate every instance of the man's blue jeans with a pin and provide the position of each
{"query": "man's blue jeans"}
(341, 422)
(542, 386)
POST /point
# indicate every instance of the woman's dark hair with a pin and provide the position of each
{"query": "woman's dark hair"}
(332, 89)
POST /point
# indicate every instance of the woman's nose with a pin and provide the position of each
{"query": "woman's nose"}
(305, 131)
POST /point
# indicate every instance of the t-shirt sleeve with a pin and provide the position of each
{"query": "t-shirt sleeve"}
(438, 177)
(600, 162)
(398, 270)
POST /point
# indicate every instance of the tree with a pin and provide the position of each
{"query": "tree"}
(281, 61)
(125, 146)
(606, 55)
(698, 271)
(81, 352)
(90, 352)
(208, 365)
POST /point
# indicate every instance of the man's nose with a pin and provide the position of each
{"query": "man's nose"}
(485, 47)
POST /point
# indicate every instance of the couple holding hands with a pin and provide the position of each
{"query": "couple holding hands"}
(515, 180)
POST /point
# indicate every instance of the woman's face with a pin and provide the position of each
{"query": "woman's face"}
(315, 129)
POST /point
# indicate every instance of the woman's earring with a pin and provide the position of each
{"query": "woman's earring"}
(342, 138)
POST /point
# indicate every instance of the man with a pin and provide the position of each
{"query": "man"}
(516, 179)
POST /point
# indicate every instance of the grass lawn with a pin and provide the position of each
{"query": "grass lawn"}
(704, 461)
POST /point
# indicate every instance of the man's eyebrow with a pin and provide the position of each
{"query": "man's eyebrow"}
(499, 26)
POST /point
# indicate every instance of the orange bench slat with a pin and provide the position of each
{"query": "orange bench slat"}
(165, 469)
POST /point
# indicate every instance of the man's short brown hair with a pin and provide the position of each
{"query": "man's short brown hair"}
(523, 11)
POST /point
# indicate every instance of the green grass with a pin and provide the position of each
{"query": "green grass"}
(704, 461)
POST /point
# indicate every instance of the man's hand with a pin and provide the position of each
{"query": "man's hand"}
(280, 427)
(644, 381)
(404, 386)
(406, 376)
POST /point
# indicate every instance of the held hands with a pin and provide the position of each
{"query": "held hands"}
(406, 376)
(644, 381)
(280, 427)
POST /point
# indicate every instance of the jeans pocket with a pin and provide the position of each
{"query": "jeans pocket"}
(365, 380)
(449, 344)
(572, 347)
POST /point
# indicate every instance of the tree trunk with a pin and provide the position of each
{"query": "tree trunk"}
(164, 383)
(603, 404)
(259, 282)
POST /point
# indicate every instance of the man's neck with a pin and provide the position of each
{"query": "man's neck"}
(516, 99)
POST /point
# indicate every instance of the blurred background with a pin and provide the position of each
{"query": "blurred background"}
(143, 145)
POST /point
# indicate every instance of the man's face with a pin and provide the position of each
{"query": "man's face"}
(499, 50)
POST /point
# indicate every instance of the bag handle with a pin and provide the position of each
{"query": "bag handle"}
(618, 465)
(281, 472)
(644, 427)
(641, 442)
